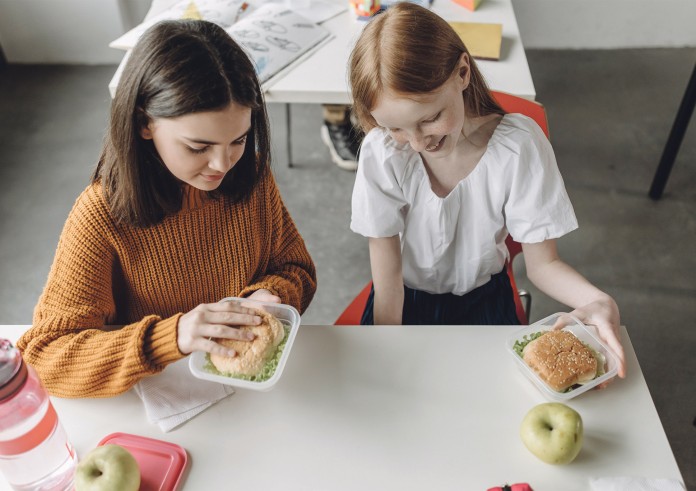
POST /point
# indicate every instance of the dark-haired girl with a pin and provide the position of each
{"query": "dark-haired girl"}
(182, 211)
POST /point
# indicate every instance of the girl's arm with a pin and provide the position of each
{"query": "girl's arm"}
(561, 282)
(289, 273)
(387, 278)
(67, 344)
(70, 344)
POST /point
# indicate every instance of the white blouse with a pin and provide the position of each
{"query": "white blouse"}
(454, 244)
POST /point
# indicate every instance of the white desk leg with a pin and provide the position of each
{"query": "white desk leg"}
(288, 121)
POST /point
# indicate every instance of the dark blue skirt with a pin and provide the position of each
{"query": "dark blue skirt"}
(489, 304)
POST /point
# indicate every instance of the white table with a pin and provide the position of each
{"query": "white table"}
(323, 78)
(392, 408)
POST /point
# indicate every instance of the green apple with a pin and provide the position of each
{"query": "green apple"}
(108, 468)
(553, 432)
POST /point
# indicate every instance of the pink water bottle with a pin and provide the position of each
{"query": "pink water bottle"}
(35, 453)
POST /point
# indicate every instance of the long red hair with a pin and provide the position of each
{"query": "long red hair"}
(410, 50)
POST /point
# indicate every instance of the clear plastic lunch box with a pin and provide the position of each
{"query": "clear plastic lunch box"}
(286, 314)
(585, 335)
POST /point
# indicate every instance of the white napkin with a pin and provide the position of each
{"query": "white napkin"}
(174, 396)
(635, 484)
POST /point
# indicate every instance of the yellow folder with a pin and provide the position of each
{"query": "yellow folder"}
(482, 40)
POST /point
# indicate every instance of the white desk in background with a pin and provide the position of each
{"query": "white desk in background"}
(322, 78)
(392, 408)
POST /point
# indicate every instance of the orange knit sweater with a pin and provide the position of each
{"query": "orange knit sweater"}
(146, 278)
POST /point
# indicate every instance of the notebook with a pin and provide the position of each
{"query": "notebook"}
(273, 35)
(222, 12)
(482, 40)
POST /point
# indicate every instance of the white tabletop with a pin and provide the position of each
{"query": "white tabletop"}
(392, 408)
(322, 77)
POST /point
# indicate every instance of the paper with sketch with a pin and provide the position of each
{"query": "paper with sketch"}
(320, 10)
(222, 12)
(274, 36)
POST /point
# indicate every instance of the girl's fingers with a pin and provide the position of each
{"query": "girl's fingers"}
(616, 347)
(230, 306)
(609, 336)
(225, 332)
(214, 348)
(605, 332)
(232, 318)
(561, 322)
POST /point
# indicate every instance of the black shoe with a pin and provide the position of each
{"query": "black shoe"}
(344, 142)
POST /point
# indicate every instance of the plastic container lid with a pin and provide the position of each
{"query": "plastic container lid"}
(584, 334)
(161, 463)
(286, 314)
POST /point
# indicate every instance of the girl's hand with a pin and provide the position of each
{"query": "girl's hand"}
(214, 320)
(561, 282)
(604, 315)
(264, 295)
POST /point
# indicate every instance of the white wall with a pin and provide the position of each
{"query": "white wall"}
(66, 31)
(79, 31)
(579, 24)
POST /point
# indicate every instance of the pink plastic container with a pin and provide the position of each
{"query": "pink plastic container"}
(162, 464)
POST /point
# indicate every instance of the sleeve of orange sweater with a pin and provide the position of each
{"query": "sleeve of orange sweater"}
(290, 272)
(67, 344)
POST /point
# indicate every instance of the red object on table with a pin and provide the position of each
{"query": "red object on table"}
(513, 487)
(161, 463)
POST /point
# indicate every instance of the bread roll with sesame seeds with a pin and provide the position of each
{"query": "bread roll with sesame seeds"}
(251, 355)
(560, 359)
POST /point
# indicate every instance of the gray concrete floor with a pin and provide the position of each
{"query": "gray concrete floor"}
(609, 111)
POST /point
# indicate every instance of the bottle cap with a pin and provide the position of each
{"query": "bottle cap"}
(13, 370)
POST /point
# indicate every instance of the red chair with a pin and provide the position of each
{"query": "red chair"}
(353, 313)
(511, 104)
(532, 109)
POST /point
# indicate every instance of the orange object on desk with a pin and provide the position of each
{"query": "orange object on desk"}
(469, 4)
(365, 8)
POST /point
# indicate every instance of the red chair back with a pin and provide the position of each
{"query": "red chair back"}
(532, 109)
(353, 313)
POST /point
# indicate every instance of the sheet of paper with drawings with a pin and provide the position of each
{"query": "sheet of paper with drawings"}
(276, 37)
(222, 12)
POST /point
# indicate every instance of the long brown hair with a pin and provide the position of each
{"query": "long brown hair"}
(177, 68)
(410, 50)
